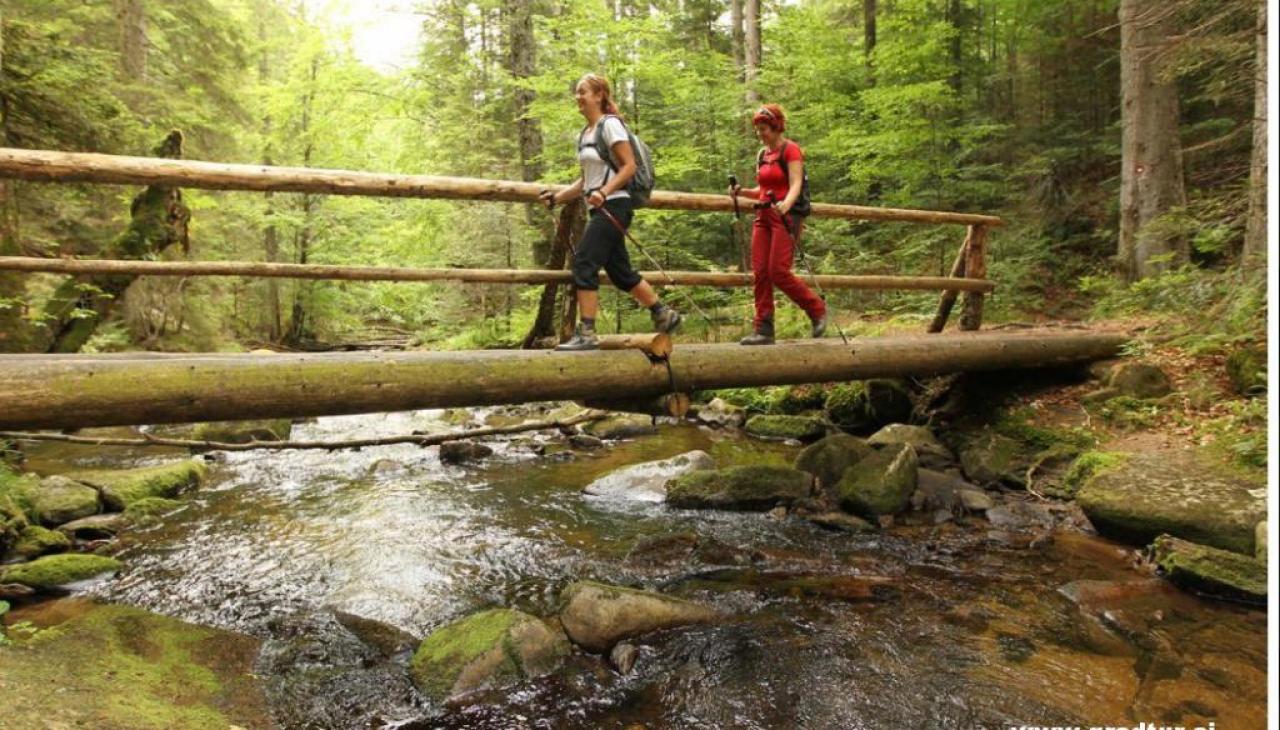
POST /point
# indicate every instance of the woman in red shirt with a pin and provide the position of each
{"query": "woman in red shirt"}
(777, 227)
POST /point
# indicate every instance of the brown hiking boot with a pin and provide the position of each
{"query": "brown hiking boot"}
(762, 336)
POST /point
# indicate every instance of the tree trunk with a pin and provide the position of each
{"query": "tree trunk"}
(13, 326)
(1254, 254)
(39, 391)
(159, 219)
(735, 36)
(133, 39)
(752, 52)
(270, 235)
(300, 329)
(568, 231)
(1151, 180)
(868, 29)
(522, 64)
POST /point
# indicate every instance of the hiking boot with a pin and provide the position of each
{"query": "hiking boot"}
(584, 338)
(762, 336)
(819, 325)
(666, 320)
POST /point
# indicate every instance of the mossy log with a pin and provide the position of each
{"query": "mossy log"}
(50, 166)
(88, 390)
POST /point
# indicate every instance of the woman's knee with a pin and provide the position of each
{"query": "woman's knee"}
(586, 275)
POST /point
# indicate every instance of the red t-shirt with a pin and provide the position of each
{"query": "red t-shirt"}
(770, 177)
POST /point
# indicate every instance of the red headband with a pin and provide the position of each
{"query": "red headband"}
(768, 117)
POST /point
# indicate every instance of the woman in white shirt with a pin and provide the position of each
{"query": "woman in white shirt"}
(603, 244)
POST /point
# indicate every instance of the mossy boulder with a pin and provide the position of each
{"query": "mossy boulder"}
(35, 541)
(758, 488)
(880, 484)
(486, 650)
(53, 571)
(463, 452)
(931, 452)
(597, 616)
(97, 527)
(1140, 380)
(15, 506)
(121, 488)
(991, 458)
(1211, 571)
(798, 428)
(647, 481)
(1085, 467)
(796, 399)
(153, 507)
(827, 459)
(720, 412)
(621, 426)
(118, 667)
(1247, 369)
(243, 432)
(59, 499)
(1177, 492)
(864, 406)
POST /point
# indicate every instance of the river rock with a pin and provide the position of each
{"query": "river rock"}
(1211, 571)
(991, 459)
(59, 499)
(53, 571)
(720, 412)
(35, 541)
(929, 450)
(880, 484)
(486, 650)
(385, 638)
(152, 507)
(243, 432)
(96, 527)
(1247, 370)
(1140, 380)
(1142, 496)
(597, 616)
(828, 459)
(462, 452)
(585, 442)
(1018, 515)
(975, 500)
(841, 522)
(621, 426)
(623, 657)
(647, 482)
(758, 488)
(122, 487)
(864, 406)
(937, 491)
(796, 428)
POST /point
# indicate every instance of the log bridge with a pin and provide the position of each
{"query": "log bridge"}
(75, 391)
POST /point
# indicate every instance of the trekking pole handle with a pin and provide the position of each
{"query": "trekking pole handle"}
(733, 187)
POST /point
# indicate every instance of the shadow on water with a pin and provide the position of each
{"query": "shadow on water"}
(926, 626)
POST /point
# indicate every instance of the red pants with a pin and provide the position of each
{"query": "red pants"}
(772, 254)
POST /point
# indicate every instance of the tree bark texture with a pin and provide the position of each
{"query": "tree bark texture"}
(13, 325)
(736, 40)
(568, 229)
(752, 50)
(158, 220)
(975, 266)
(1151, 180)
(947, 301)
(87, 390)
(132, 19)
(47, 166)
(270, 234)
(1254, 254)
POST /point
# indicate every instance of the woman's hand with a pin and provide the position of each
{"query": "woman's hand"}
(548, 198)
(783, 207)
(595, 198)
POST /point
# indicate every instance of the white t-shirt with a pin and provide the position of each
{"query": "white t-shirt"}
(595, 171)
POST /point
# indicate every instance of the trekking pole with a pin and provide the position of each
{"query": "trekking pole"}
(670, 282)
(786, 223)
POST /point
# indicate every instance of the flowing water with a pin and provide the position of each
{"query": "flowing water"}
(926, 626)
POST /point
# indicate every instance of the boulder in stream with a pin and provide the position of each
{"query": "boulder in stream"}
(929, 450)
(96, 527)
(463, 452)
(54, 571)
(880, 484)
(35, 541)
(720, 412)
(483, 651)
(243, 432)
(797, 428)
(58, 499)
(758, 488)
(122, 487)
(1212, 571)
(646, 482)
(827, 459)
(597, 616)
(621, 426)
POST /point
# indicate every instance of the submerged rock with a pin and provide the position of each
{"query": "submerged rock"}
(53, 571)
(597, 616)
(1211, 571)
(243, 432)
(462, 452)
(35, 541)
(59, 499)
(647, 482)
(153, 507)
(828, 459)
(121, 488)
(621, 427)
(840, 521)
(1174, 492)
(759, 488)
(797, 428)
(880, 484)
(485, 650)
(387, 639)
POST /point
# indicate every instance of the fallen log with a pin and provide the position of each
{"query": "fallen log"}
(88, 390)
(52, 166)
(474, 276)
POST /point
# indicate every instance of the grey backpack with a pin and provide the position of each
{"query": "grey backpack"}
(640, 186)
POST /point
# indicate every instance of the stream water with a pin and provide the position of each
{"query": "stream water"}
(964, 626)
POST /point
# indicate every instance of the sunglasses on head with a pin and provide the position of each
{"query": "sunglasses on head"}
(764, 113)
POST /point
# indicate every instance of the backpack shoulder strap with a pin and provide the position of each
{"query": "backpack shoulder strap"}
(603, 149)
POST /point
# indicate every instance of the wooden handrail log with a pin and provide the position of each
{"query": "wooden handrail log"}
(475, 276)
(52, 166)
(115, 390)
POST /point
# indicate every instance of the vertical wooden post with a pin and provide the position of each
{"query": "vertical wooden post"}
(948, 299)
(976, 268)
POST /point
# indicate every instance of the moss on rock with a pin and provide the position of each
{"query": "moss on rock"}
(882, 483)
(121, 488)
(864, 406)
(621, 427)
(485, 650)
(796, 399)
(799, 428)
(597, 616)
(1086, 466)
(153, 507)
(1140, 380)
(827, 459)
(35, 541)
(1210, 570)
(58, 499)
(992, 459)
(52, 571)
(242, 432)
(757, 488)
